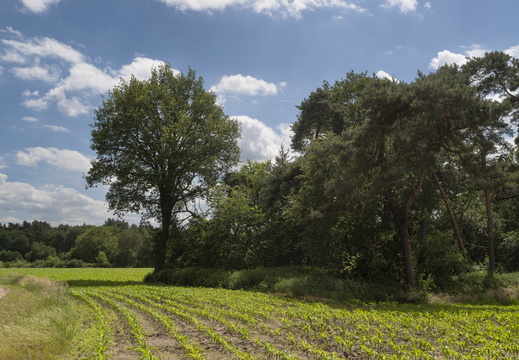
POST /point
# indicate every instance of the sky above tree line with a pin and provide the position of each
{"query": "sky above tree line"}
(260, 57)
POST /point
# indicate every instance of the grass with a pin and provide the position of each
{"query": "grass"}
(38, 317)
(39, 321)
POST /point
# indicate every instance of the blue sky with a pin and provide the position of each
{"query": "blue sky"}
(261, 58)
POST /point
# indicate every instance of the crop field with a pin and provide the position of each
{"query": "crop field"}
(134, 321)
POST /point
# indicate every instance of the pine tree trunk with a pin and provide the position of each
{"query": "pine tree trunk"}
(401, 221)
(490, 232)
(407, 252)
(455, 225)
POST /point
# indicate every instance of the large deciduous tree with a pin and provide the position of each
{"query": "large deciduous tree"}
(160, 142)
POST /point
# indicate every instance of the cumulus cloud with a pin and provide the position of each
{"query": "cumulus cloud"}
(447, 57)
(48, 74)
(259, 141)
(285, 8)
(54, 204)
(47, 60)
(140, 67)
(245, 85)
(62, 158)
(38, 6)
(513, 51)
(381, 74)
(22, 51)
(405, 6)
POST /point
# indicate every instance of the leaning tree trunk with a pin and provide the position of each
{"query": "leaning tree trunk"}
(490, 231)
(455, 225)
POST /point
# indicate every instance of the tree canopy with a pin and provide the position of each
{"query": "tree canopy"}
(160, 142)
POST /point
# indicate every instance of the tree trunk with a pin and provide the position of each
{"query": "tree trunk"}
(160, 250)
(401, 221)
(407, 251)
(490, 232)
(455, 225)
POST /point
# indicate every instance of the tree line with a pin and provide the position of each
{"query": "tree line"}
(414, 182)
(38, 244)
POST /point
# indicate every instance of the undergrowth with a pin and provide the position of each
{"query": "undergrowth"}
(309, 282)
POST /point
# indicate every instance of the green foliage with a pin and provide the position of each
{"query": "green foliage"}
(297, 281)
(509, 250)
(102, 259)
(160, 142)
(93, 241)
(40, 251)
(440, 261)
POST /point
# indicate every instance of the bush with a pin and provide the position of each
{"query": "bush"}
(19, 264)
(74, 263)
(9, 256)
(509, 251)
(295, 281)
(440, 261)
(102, 259)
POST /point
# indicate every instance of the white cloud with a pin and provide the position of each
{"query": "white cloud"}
(405, 6)
(38, 6)
(201, 5)
(140, 68)
(427, 5)
(381, 74)
(30, 119)
(57, 128)
(64, 159)
(259, 141)
(513, 51)
(448, 57)
(54, 204)
(36, 104)
(48, 74)
(475, 51)
(285, 8)
(28, 93)
(69, 93)
(86, 76)
(22, 51)
(10, 30)
(245, 85)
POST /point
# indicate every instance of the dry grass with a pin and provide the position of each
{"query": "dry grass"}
(37, 319)
(499, 296)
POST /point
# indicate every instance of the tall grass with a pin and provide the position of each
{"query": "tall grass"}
(38, 319)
